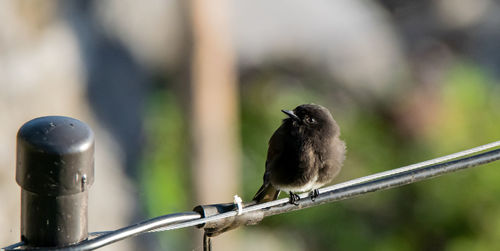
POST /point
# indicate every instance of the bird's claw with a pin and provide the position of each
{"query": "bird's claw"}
(294, 198)
(314, 194)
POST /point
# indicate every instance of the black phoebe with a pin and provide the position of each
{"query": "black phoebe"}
(304, 154)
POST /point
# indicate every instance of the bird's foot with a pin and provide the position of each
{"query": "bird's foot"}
(294, 198)
(314, 194)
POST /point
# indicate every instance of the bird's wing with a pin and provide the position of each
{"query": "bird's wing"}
(267, 192)
(275, 149)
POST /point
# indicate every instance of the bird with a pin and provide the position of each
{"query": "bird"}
(304, 154)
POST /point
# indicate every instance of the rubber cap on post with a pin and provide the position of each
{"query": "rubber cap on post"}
(55, 156)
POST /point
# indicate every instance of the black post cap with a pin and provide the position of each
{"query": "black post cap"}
(55, 156)
(55, 168)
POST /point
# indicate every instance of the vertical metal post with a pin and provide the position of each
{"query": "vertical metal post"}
(55, 168)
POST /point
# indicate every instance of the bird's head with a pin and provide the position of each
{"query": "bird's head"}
(312, 117)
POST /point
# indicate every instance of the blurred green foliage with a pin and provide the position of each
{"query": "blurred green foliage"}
(460, 211)
(164, 176)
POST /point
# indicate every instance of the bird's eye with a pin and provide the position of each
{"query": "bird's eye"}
(310, 120)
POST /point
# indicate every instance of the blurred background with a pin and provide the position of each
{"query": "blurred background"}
(184, 95)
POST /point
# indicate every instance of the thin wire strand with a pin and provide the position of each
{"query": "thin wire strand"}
(382, 174)
(386, 182)
(390, 182)
(412, 167)
(120, 234)
(13, 246)
(135, 230)
(353, 182)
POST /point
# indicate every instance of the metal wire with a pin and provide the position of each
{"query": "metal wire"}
(13, 246)
(399, 179)
(379, 181)
(414, 166)
(120, 234)
(345, 192)
(390, 172)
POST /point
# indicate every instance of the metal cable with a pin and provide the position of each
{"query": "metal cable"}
(345, 192)
(379, 181)
(120, 234)
(414, 166)
(389, 173)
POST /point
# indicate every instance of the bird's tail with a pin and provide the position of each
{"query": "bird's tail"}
(266, 193)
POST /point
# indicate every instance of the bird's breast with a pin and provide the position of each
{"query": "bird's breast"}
(307, 157)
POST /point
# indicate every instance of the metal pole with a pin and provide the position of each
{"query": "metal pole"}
(55, 168)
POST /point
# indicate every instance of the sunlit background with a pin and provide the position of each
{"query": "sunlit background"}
(184, 95)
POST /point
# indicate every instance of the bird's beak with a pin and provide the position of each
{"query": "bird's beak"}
(290, 114)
